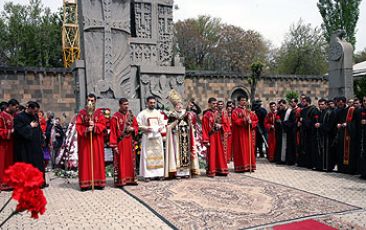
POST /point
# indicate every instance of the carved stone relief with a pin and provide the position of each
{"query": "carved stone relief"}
(143, 53)
(165, 43)
(160, 85)
(105, 32)
(143, 20)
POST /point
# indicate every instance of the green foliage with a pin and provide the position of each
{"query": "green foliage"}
(31, 35)
(303, 51)
(291, 95)
(360, 87)
(196, 38)
(340, 14)
(206, 43)
(360, 56)
(65, 173)
(256, 68)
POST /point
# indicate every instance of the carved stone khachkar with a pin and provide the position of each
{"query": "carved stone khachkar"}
(127, 51)
(340, 66)
(152, 50)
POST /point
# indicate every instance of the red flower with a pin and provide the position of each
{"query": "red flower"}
(278, 117)
(32, 200)
(22, 176)
(316, 117)
(363, 114)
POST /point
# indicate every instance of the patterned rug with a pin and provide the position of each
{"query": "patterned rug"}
(232, 202)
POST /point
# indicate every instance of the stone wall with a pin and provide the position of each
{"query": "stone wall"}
(53, 88)
(203, 85)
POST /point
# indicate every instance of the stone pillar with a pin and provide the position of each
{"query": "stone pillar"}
(340, 66)
(78, 71)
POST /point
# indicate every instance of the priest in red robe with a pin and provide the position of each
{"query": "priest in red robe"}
(269, 124)
(90, 124)
(229, 109)
(123, 129)
(6, 139)
(226, 131)
(213, 125)
(243, 130)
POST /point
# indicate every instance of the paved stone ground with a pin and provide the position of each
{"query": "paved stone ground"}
(112, 208)
(68, 208)
(349, 189)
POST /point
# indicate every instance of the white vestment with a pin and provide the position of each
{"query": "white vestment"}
(173, 149)
(284, 137)
(152, 153)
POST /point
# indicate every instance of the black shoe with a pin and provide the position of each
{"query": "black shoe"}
(45, 185)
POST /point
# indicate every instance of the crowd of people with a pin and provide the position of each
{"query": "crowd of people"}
(327, 137)
(26, 136)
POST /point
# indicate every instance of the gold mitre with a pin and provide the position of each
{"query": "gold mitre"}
(174, 97)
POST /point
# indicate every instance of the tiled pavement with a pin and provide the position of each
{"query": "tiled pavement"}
(111, 208)
(68, 208)
(345, 188)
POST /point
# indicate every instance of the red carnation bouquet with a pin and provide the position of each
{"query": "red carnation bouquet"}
(26, 181)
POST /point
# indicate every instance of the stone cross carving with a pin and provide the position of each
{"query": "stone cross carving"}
(107, 25)
(117, 62)
(143, 19)
(105, 49)
(166, 17)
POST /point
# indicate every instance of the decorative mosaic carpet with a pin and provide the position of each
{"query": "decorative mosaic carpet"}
(233, 202)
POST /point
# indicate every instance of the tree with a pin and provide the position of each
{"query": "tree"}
(196, 39)
(291, 95)
(31, 35)
(360, 87)
(339, 14)
(303, 52)
(360, 56)
(206, 43)
(256, 68)
(238, 48)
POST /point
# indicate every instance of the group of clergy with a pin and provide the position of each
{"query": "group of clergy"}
(21, 137)
(170, 141)
(327, 137)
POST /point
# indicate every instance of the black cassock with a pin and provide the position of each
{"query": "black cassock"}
(347, 157)
(286, 129)
(328, 133)
(360, 115)
(28, 141)
(309, 137)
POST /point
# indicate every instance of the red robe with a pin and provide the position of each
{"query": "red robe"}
(226, 134)
(124, 160)
(243, 161)
(229, 141)
(6, 145)
(269, 122)
(84, 151)
(216, 160)
(43, 124)
(297, 116)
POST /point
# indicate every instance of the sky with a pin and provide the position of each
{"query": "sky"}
(271, 18)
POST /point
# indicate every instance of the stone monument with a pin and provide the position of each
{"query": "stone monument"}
(340, 66)
(127, 51)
